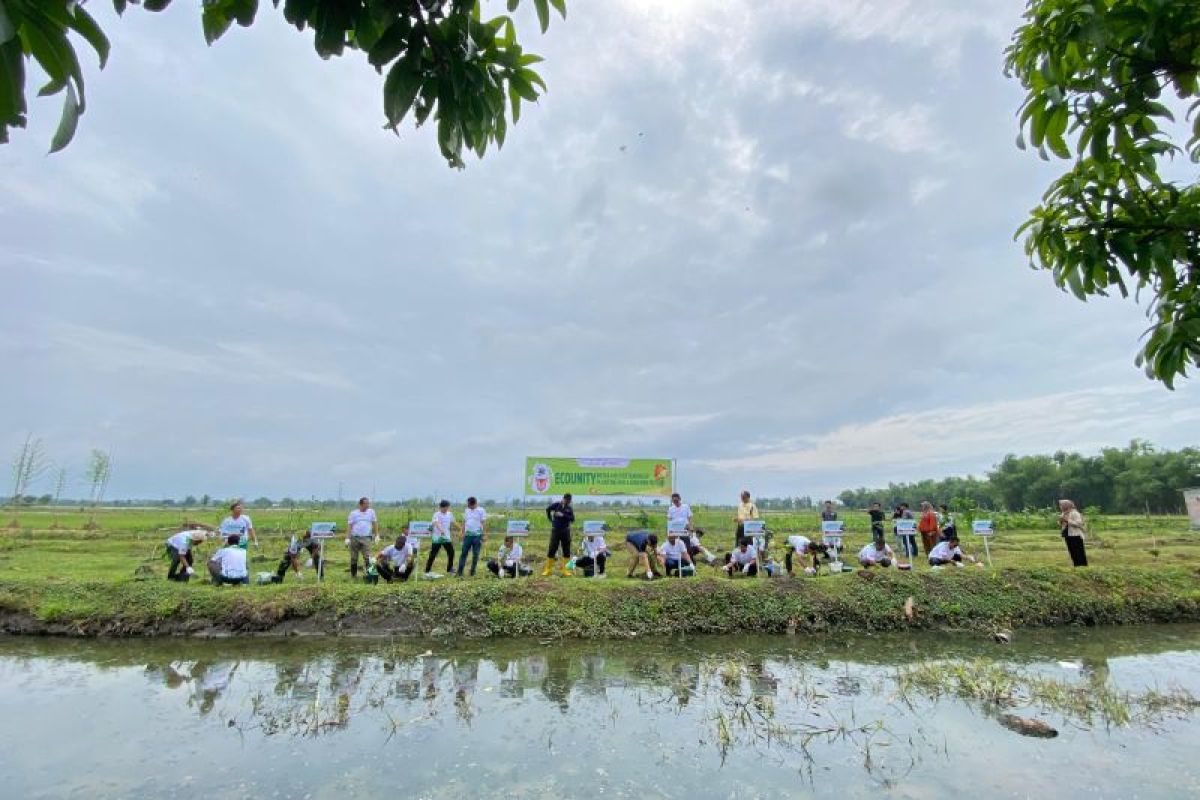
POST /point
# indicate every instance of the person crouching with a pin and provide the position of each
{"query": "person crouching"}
(674, 553)
(179, 548)
(304, 543)
(228, 565)
(948, 552)
(743, 560)
(595, 555)
(876, 553)
(642, 547)
(508, 558)
(395, 562)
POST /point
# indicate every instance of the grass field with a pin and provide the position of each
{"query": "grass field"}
(103, 572)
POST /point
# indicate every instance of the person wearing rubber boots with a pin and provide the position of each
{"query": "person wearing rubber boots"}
(561, 515)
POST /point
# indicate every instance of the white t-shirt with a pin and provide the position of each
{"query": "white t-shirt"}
(942, 551)
(679, 513)
(240, 525)
(512, 555)
(233, 562)
(742, 559)
(442, 525)
(798, 543)
(360, 522)
(473, 520)
(872, 556)
(673, 552)
(398, 555)
(594, 545)
(182, 541)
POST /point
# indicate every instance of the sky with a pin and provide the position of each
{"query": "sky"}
(771, 240)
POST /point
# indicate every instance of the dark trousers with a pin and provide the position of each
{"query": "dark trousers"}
(673, 567)
(390, 573)
(941, 562)
(787, 560)
(591, 566)
(908, 544)
(737, 536)
(560, 539)
(224, 580)
(285, 564)
(511, 570)
(179, 564)
(472, 545)
(433, 551)
(1077, 550)
(877, 531)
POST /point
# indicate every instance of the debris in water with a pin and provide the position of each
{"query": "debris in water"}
(1070, 665)
(1027, 726)
(1002, 637)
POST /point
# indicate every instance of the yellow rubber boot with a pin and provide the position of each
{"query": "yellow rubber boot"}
(562, 568)
(548, 568)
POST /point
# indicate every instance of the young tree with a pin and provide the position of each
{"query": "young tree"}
(1095, 71)
(98, 472)
(28, 465)
(60, 484)
(447, 63)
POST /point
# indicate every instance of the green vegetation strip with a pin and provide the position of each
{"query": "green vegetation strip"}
(574, 607)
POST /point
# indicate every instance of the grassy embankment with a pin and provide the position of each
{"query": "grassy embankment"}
(58, 575)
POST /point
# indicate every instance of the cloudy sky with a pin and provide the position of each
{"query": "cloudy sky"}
(772, 240)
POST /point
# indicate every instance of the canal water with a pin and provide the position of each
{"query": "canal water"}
(1073, 713)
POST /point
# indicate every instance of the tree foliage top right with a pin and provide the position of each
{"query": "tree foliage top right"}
(1097, 74)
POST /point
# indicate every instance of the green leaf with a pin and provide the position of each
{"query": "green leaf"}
(215, 22)
(52, 87)
(12, 88)
(68, 122)
(155, 5)
(543, 13)
(401, 86)
(7, 29)
(560, 6)
(86, 27)
(512, 5)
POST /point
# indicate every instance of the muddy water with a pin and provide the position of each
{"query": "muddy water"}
(910, 716)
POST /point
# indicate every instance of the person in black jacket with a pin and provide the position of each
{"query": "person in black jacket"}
(561, 515)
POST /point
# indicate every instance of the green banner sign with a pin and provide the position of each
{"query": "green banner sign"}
(644, 477)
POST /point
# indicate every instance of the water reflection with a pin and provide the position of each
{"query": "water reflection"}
(694, 711)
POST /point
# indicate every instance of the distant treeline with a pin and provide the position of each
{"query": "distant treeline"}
(1137, 479)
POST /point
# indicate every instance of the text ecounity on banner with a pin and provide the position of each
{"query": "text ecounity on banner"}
(584, 477)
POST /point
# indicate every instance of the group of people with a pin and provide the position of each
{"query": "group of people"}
(675, 555)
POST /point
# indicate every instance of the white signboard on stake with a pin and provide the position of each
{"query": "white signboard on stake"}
(323, 530)
(517, 527)
(677, 526)
(594, 527)
(982, 527)
(906, 526)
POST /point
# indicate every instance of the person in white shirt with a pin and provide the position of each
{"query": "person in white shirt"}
(948, 552)
(805, 548)
(442, 536)
(743, 560)
(876, 554)
(674, 552)
(239, 523)
(179, 548)
(508, 558)
(395, 562)
(474, 534)
(595, 555)
(680, 513)
(362, 527)
(228, 565)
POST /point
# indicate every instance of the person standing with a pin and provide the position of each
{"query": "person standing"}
(908, 541)
(1071, 523)
(876, 514)
(928, 527)
(362, 527)
(745, 510)
(561, 515)
(442, 535)
(474, 534)
(239, 523)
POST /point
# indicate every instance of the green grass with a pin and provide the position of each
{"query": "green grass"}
(103, 573)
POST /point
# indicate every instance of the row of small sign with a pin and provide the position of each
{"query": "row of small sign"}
(754, 527)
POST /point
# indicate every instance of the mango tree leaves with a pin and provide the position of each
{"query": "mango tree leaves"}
(441, 58)
(1096, 72)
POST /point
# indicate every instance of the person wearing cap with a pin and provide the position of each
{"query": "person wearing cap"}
(395, 562)
(641, 544)
(291, 557)
(561, 515)
(674, 554)
(948, 552)
(508, 558)
(595, 555)
(876, 553)
(228, 565)
(743, 560)
(241, 523)
(179, 548)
